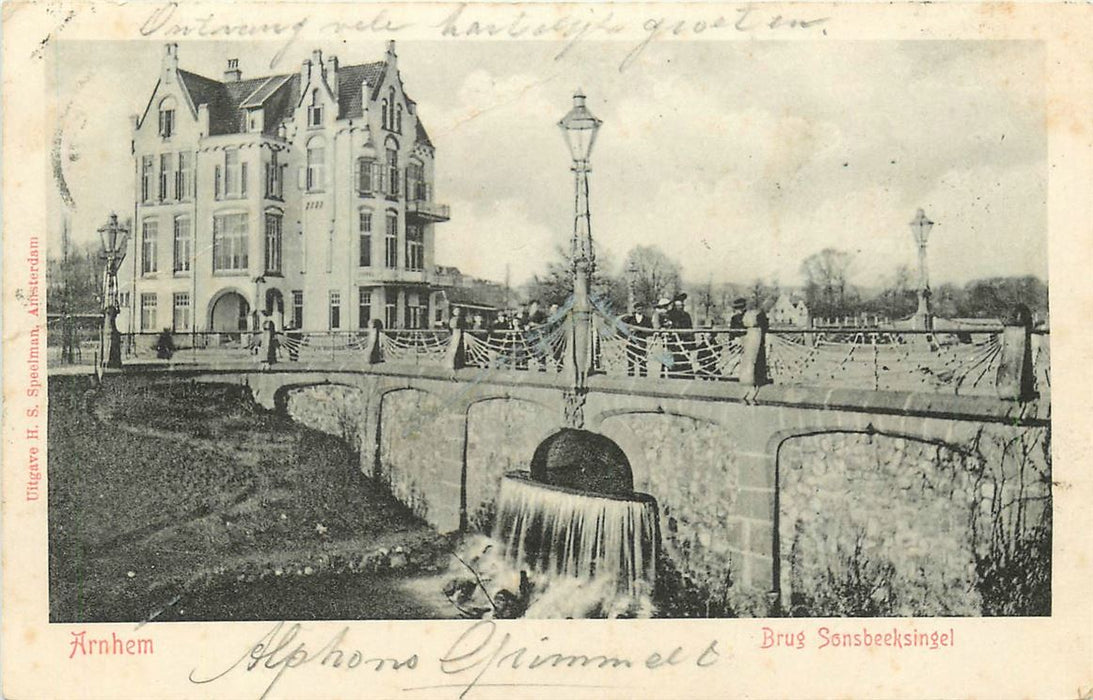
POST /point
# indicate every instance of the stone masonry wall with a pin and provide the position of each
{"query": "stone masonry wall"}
(334, 409)
(926, 515)
(420, 455)
(690, 467)
(884, 525)
(502, 435)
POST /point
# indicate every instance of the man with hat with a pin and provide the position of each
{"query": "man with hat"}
(637, 343)
(736, 318)
(678, 318)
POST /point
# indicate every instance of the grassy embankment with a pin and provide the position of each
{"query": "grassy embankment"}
(188, 502)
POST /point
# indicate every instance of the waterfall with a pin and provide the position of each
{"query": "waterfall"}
(567, 533)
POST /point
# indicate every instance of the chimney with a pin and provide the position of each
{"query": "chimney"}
(233, 74)
(332, 74)
(170, 62)
(391, 55)
(305, 73)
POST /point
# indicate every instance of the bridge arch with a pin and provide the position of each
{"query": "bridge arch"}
(418, 442)
(500, 434)
(281, 394)
(897, 509)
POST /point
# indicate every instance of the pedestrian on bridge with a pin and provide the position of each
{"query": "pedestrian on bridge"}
(680, 321)
(639, 328)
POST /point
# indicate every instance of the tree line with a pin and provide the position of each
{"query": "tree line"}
(74, 285)
(828, 289)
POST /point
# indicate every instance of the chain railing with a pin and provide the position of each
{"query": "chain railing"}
(938, 361)
(539, 348)
(708, 354)
(1010, 362)
(417, 346)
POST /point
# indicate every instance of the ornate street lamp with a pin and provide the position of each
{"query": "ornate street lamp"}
(920, 227)
(631, 285)
(579, 128)
(115, 238)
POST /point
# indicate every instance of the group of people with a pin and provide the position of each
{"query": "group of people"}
(523, 318)
(520, 335)
(689, 353)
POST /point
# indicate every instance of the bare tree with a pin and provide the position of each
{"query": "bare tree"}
(655, 274)
(826, 281)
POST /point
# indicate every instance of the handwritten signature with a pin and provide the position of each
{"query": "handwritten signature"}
(483, 655)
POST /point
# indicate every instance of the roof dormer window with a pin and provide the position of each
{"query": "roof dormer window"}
(167, 117)
(315, 110)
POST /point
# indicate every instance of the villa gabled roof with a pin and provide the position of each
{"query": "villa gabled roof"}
(422, 136)
(350, 83)
(227, 101)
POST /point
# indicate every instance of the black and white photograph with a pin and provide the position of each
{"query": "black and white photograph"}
(736, 331)
(512, 321)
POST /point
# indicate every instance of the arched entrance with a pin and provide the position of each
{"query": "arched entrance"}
(228, 313)
(275, 307)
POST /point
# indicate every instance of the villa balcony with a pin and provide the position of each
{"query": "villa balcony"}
(421, 207)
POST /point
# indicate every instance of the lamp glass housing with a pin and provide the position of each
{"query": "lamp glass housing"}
(579, 127)
(921, 226)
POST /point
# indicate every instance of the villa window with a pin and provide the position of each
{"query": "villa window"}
(367, 175)
(415, 247)
(274, 178)
(316, 168)
(149, 246)
(180, 320)
(184, 176)
(230, 243)
(231, 172)
(390, 312)
(167, 117)
(148, 311)
(365, 225)
(273, 243)
(315, 110)
(416, 312)
(390, 253)
(392, 172)
(335, 310)
(415, 182)
(166, 176)
(183, 244)
(297, 308)
(147, 169)
(364, 308)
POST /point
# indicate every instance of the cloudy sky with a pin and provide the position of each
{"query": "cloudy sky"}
(738, 159)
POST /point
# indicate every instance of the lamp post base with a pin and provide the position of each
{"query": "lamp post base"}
(113, 351)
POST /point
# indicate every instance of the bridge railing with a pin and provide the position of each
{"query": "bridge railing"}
(1012, 361)
(959, 361)
(708, 354)
(939, 361)
(422, 346)
(537, 349)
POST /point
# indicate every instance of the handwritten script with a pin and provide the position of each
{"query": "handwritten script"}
(571, 26)
(485, 654)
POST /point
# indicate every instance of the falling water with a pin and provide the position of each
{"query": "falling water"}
(581, 535)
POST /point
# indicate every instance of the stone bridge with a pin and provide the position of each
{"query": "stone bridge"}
(764, 491)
